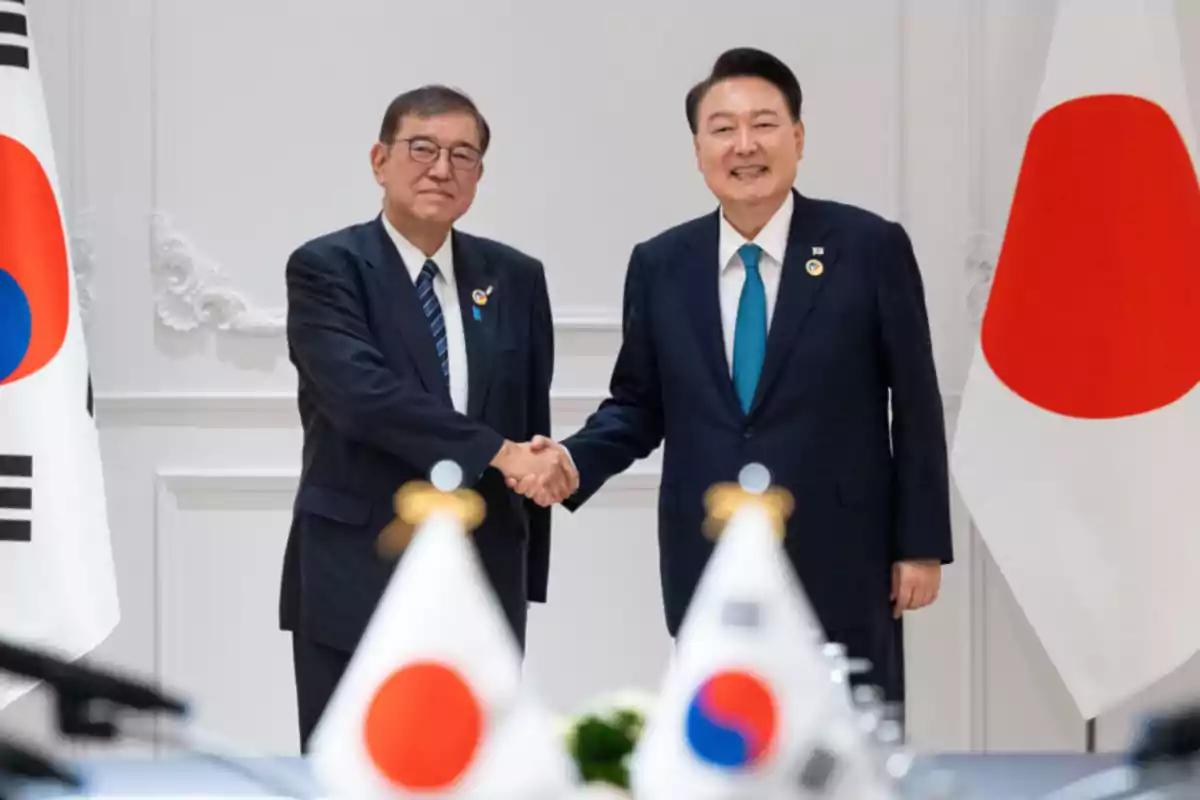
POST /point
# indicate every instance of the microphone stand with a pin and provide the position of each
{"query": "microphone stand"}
(25, 764)
(86, 699)
(1162, 764)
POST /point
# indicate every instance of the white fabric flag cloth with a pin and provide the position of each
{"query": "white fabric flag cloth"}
(1077, 449)
(749, 707)
(57, 581)
(433, 703)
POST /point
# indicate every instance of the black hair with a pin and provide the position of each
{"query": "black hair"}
(746, 62)
(431, 101)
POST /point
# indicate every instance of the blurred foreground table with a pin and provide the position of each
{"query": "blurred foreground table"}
(972, 777)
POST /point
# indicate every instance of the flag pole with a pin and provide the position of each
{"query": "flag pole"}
(1090, 735)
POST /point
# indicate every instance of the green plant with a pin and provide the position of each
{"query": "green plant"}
(601, 744)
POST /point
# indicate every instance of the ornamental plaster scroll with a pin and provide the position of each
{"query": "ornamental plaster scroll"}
(983, 253)
(193, 292)
(83, 262)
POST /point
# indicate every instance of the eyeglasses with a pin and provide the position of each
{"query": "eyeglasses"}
(426, 151)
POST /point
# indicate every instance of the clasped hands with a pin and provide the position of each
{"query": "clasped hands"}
(540, 469)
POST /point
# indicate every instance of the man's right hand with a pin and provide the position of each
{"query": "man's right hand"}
(539, 471)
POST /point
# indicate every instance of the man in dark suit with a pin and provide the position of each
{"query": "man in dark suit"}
(776, 330)
(414, 343)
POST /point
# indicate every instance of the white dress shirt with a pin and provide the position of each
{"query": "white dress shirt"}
(773, 241)
(446, 291)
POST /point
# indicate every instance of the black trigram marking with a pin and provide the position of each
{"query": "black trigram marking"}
(11, 22)
(90, 399)
(821, 771)
(14, 54)
(742, 614)
(15, 501)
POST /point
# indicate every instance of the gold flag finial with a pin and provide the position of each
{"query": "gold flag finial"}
(754, 487)
(416, 501)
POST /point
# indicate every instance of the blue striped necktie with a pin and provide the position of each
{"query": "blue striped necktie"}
(433, 313)
(750, 333)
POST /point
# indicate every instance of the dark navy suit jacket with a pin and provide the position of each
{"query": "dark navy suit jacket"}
(377, 414)
(840, 343)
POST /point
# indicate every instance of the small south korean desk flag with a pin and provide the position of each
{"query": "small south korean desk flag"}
(58, 585)
(749, 708)
(433, 704)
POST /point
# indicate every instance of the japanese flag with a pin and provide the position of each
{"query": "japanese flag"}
(433, 703)
(1077, 449)
(58, 588)
(749, 707)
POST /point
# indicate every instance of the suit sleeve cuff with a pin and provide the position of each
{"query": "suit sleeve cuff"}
(570, 458)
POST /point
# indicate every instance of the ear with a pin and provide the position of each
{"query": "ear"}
(379, 156)
(480, 172)
(696, 150)
(798, 132)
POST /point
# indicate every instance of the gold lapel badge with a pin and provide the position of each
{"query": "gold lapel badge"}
(814, 267)
(480, 296)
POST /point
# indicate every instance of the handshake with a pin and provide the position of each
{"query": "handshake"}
(540, 469)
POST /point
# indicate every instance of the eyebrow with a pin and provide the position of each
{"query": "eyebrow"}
(758, 112)
(456, 143)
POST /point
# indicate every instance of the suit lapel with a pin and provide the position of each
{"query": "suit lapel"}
(405, 314)
(702, 294)
(474, 273)
(799, 288)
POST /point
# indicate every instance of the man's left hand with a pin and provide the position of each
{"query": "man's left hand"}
(915, 585)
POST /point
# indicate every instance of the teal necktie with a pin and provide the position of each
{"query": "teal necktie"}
(750, 334)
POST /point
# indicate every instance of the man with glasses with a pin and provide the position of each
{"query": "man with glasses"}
(414, 343)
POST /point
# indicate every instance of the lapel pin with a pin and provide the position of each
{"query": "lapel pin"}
(814, 267)
(818, 251)
(480, 296)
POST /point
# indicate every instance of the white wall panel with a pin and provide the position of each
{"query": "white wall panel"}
(220, 537)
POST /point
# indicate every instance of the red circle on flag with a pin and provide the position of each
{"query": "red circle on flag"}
(423, 727)
(33, 252)
(1095, 308)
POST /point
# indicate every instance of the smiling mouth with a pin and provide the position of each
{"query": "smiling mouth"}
(747, 173)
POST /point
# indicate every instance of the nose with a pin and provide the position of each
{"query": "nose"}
(440, 168)
(744, 144)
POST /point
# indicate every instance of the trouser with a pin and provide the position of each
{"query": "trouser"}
(319, 669)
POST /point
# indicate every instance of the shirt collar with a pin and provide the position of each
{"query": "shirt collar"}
(772, 238)
(414, 259)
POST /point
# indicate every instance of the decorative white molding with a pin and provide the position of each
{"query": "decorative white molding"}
(204, 481)
(587, 321)
(267, 410)
(569, 408)
(192, 292)
(981, 257)
(196, 484)
(983, 253)
(83, 261)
